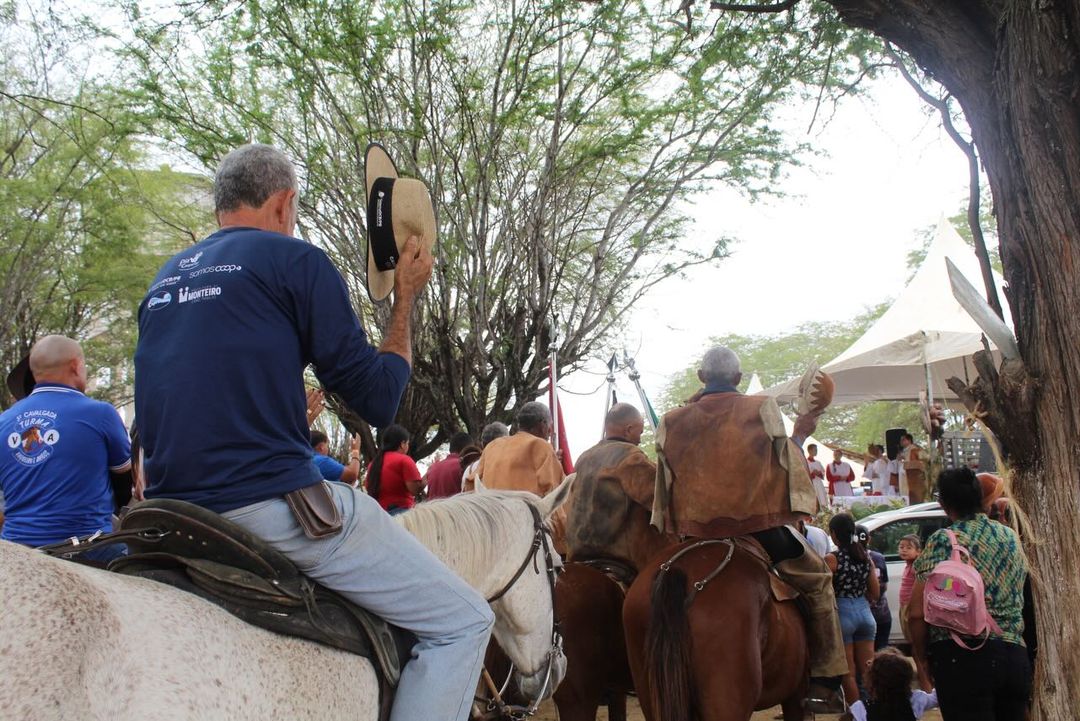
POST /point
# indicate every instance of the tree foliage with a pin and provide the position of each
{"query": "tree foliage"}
(78, 217)
(1012, 69)
(559, 139)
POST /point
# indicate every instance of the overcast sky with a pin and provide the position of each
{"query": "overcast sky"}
(834, 245)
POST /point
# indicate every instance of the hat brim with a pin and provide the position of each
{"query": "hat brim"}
(413, 215)
(377, 164)
(20, 381)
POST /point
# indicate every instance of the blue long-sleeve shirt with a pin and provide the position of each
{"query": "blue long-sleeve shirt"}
(225, 332)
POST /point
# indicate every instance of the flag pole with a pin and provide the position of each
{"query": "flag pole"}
(553, 378)
(613, 363)
(635, 378)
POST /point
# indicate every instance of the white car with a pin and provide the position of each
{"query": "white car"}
(886, 530)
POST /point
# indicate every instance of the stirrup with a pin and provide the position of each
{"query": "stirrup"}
(825, 700)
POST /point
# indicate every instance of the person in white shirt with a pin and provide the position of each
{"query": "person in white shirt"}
(817, 538)
(839, 474)
(877, 471)
(817, 475)
(894, 475)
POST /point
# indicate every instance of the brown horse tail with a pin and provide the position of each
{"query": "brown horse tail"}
(667, 648)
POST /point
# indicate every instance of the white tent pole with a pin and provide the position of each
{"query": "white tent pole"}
(929, 410)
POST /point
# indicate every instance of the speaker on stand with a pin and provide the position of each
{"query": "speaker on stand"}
(892, 442)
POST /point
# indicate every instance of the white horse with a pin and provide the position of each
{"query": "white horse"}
(81, 643)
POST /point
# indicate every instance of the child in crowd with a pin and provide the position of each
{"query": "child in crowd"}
(889, 694)
(910, 548)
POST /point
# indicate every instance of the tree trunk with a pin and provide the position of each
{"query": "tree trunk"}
(1015, 69)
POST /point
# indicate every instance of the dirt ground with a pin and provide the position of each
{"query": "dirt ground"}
(548, 713)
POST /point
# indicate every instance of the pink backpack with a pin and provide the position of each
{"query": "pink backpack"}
(954, 598)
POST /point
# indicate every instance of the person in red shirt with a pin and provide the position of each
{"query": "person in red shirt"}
(393, 478)
(444, 478)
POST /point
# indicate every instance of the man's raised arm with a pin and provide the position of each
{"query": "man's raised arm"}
(411, 275)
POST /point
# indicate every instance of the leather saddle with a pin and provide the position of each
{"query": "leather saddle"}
(781, 589)
(618, 570)
(201, 552)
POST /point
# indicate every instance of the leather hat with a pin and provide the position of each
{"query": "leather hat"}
(993, 488)
(397, 208)
(816, 390)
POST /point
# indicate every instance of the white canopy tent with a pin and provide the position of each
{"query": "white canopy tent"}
(925, 334)
(824, 453)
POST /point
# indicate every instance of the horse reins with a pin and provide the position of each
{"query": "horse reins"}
(496, 703)
(699, 586)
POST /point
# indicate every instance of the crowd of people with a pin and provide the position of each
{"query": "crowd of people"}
(982, 675)
(902, 476)
(725, 467)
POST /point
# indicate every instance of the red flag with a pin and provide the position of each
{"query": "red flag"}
(556, 412)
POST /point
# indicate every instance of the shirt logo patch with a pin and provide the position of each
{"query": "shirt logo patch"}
(192, 295)
(226, 268)
(159, 300)
(34, 437)
(189, 263)
(164, 281)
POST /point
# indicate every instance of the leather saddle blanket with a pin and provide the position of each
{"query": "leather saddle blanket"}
(201, 552)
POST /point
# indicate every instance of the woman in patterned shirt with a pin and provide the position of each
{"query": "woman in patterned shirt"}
(992, 683)
(855, 588)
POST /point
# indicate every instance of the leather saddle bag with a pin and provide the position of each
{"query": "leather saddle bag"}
(315, 510)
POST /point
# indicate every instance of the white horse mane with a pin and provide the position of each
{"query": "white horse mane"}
(468, 527)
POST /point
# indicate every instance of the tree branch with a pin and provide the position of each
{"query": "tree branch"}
(754, 8)
(968, 148)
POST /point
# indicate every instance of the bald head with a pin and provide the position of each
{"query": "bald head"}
(58, 359)
(624, 422)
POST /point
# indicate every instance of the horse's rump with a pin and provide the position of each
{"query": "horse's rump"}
(704, 643)
(79, 642)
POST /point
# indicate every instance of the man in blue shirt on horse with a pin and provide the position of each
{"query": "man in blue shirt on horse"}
(225, 333)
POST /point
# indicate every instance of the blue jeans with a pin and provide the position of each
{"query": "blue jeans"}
(378, 565)
(856, 621)
(106, 553)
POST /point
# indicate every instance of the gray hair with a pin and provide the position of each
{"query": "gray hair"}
(492, 431)
(249, 175)
(532, 415)
(720, 365)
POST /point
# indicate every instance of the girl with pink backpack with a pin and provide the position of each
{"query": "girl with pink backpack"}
(966, 613)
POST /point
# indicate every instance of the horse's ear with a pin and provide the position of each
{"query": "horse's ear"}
(556, 498)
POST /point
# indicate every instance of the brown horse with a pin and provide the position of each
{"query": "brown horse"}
(717, 650)
(588, 605)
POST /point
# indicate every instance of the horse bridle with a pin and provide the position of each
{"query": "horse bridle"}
(551, 568)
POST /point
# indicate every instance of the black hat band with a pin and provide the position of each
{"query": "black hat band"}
(380, 223)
